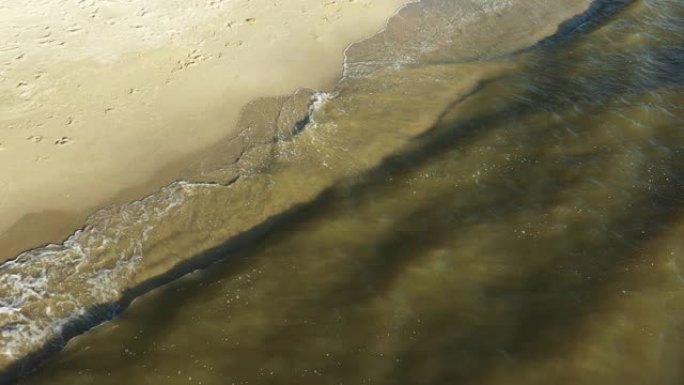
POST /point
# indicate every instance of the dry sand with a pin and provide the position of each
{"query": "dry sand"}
(102, 101)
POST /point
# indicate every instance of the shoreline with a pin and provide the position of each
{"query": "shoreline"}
(423, 187)
(192, 226)
(59, 209)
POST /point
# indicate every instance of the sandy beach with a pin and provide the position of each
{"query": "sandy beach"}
(465, 138)
(219, 192)
(104, 102)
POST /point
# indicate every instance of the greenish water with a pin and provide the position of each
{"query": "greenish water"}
(528, 231)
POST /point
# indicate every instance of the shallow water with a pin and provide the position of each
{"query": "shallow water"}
(526, 228)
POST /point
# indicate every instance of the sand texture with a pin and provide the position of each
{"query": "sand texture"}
(97, 97)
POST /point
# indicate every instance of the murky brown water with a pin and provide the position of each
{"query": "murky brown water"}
(532, 235)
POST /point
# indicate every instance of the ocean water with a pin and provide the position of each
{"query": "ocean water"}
(469, 205)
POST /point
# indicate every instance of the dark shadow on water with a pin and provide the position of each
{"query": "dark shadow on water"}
(598, 13)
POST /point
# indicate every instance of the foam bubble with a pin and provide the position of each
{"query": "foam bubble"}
(45, 289)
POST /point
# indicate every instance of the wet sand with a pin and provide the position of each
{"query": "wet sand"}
(106, 103)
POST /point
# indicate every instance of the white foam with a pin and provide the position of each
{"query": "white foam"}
(43, 290)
